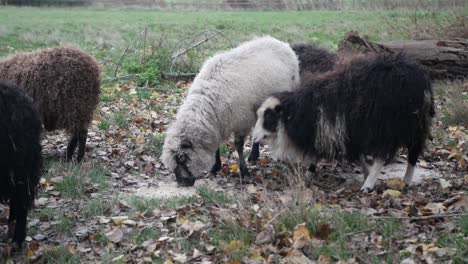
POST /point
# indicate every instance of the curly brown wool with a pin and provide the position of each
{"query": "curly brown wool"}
(65, 85)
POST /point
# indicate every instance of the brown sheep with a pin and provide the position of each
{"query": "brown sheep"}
(65, 85)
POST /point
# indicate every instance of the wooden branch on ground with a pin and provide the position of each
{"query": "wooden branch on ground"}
(178, 76)
(124, 77)
(444, 58)
(176, 56)
(120, 61)
(425, 217)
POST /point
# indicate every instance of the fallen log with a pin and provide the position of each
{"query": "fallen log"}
(444, 58)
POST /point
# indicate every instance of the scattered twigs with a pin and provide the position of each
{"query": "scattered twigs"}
(171, 57)
(124, 77)
(119, 63)
(196, 44)
(178, 76)
(144, 46)
(425, 217)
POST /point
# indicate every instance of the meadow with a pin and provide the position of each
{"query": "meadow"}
(96, 212)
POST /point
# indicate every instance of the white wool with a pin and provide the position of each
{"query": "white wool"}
(224, 97)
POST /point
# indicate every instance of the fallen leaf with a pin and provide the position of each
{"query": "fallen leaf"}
(323, 232)
(391, 193)
(119, 219)
(299, 231)
(180, 258)
(433, 208)
(235, 245)
(324, 259)
(444, 183)
(119, 259)
(296, 257)
(129, 222)
(266, 236)
(115, 235)
(395, 184)
(138, 120)
(192, 226)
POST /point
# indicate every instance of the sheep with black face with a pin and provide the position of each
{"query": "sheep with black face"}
(20, 157)
(367, 105)
(222, 101)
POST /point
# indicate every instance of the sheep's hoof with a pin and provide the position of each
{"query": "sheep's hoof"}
(244, 173)
(365, 189)
(253, 161)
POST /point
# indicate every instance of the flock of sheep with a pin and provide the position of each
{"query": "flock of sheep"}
(306, 102)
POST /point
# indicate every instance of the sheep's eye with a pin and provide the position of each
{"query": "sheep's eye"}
(186, 144)
(270, 120)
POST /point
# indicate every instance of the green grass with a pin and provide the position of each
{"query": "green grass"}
(25, 29)
(77, 177)
(225, 234)
(457, 240)
(60, 255)
(104, 124)
(156, 145)
(98, 207)
(149, 204)
(138, 236)
(120, 119)
(214, 197)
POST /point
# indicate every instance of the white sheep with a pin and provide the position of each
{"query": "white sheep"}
(222, 101)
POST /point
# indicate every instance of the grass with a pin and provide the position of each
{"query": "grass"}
(149, 204)
(104, 124)
(456, 240)
(138, 236)
(156, 145)
(168, 32)
(98, 207)
(214, 197)
(61, 255)
(77, 177)
(455, 98)
(120, 119)
(232, 238)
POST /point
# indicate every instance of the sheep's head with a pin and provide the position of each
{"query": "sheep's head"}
(268, 120)
(187, 159)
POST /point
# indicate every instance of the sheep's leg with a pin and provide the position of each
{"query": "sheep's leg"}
(19, 210)
(71, 146)
(12, 217)
(312, 168)
(82, 136)
(239, 142)
(365, 169)
(413, 153)
(253, 157)
(217, 166)
(373, 175)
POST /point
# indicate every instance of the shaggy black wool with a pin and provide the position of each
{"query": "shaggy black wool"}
(369, 104)
(313, 59)
(20, 156)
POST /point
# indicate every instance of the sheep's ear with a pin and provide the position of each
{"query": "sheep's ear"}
(278, 109)
(186, 144)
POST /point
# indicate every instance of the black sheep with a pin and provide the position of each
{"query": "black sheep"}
(313, 59)
(367, 105)
(20, 157)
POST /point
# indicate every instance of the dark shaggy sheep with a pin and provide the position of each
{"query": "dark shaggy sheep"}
(64, 83)
(368, 105)
(20, 156)
(313, 59)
